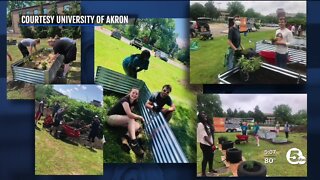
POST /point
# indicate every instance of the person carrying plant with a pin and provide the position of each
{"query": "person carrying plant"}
(26, 44)
(136, 63)
(283, 39)
(95, 124)
(205, 136)
(234, 42)
(286, 129)
(256, 128)
(67, 49)
(157, 101)
(121, 115)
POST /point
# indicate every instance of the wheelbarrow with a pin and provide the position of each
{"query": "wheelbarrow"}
(68, 131)
(48, 122)
(241, 138)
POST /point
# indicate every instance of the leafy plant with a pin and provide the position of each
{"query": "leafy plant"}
(249, 165)
(223, 138)
(249, 65)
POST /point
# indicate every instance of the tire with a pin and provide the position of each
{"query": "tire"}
(260, 170)
(234, 155)
(227, 144)
(229, 130)
(237, 141)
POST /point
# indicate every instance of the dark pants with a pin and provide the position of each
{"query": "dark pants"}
(71, 54)
(167, 115)
(130, 72)
(92, 135)
(207, 157)
(23, 49)
(244, 132)
(281, 60)
(287, 135)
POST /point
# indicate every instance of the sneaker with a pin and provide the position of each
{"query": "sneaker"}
(213, 171)
(125, 145)
(258, 145)
(136, 148)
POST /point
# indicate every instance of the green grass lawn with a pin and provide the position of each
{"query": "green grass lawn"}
(109, 53)
(27, 92)
(251, 151)
(207, 62)
(55, 157)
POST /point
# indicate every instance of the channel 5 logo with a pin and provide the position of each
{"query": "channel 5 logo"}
(295, 156)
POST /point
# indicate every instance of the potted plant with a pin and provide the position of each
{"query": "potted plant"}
(222, 139)
(252, 168)
(248, 66)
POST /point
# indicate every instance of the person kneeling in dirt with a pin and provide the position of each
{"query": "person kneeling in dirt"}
(24, 44)
(57, 120)
(121, 115)
(159, 99)
(95, 124)
(67, 49)
(136, 63)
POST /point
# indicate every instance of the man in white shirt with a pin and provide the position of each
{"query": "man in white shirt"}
(284, 38)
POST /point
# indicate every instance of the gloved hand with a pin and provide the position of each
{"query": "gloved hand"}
(156, 108)
(213, 147)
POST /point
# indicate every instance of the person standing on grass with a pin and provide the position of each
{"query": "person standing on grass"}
(95, 124)
(159, 99)
(283, 39)
(205, 136)
(58, 117)
(244, 128)
(256, 128)
(293, 30)
(26, 44)
(121, 115)
(277, 127)
(136, 63)
(40, 110)
(234, 42)
(56, 107)
(287, 129)
(67, 49)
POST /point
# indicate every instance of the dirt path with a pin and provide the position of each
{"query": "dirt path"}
(127, 41)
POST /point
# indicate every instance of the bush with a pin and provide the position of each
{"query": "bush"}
(26, 32)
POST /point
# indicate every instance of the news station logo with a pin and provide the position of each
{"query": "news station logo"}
(295, 156)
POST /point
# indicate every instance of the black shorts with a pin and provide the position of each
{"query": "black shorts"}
(71, 55)
(23, 49)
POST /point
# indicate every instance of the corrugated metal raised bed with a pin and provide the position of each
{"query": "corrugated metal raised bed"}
(267, 74)
(26, 70)
(297, 52)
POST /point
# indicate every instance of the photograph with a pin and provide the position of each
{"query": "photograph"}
(69, 136)
(248, 42)
(41, 54)
(261, 135)
(149, 100)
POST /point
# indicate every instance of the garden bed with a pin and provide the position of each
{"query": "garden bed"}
(267, 74)
(37, 68)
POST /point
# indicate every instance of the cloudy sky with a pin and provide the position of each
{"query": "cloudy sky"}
(83, 92)
(266, 102)
(266, 7)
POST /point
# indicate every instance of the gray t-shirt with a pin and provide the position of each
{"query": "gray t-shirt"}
(28, 42)
(68, 40)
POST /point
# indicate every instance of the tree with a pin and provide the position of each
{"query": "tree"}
(242, 114)
(183, 56)
(300, 117)
(197, 10)
(250, 13)
(13, 5)
(300, 15)
(41, 31)
(235, 113)
(54, 30)
(235, 8)
(72, 31)
(230, 112)
(283, 113)
(210, 104)
(258, 115)
(211, 10)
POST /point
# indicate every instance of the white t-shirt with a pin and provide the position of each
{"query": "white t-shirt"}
(201, 133)
(287, 37)
(293, 29)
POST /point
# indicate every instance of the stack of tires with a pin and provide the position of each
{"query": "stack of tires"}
(233, 155)
(226, 145)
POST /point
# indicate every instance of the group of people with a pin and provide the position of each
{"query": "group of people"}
(283, 38)
(122, 115)
(64, 46)
(295, 30)
(256, 127)
(58, 113)
(286, 128)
